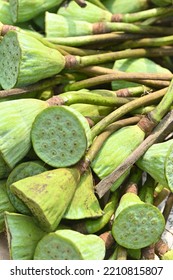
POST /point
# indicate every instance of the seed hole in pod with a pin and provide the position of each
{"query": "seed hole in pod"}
(130, 216)
(62, 154)
(144, 221)
(74, 133)
(71, 151)
(57, 117)
(153, 221)
(44, 145)
(75, 144)
(52, 132)
(64, 144)
(54, 142)
(64, 133)
(54, 153)
(47, 122)
(68, 123)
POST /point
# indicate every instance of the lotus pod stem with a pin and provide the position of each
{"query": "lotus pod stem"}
(70, 245)
(146, 192)
(23, 234)
(136, 224)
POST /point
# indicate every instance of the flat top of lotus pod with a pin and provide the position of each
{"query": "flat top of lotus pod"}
(138, 226)
(59, 136)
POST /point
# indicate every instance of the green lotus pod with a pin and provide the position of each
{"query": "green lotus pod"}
(59, 26)
(17, 117)
(168, 256)
(22, 11)
(4, 169)
(125, 6)
(115, 150)
(70, 245)
(84, 203)
(138, 65)
(162, 2)
(60, 136)
(5, 204)
(22, 170)
(48, 194)
(19, 52)
(5, 16)
(157, 161)
(137, 224)
(91, 13)
(134, 254)
(23, 234)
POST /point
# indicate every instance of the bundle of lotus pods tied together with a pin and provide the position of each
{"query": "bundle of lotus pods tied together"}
(86, 147)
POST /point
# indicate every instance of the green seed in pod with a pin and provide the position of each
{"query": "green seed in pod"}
(5, 15)
(137, 224)
(60, 136)
(48, 194)
(21, 11)
(5, 204)
(22, 170)
(157, 161)
(143, 65)
(17, 117)
(23, 234)
(115, 150)
(19, 52)
(84, 203)
(125, 6)
(91, 13)
(70, 245)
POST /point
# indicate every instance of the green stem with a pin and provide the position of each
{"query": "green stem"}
(146, 192)
(124, 109)
(161, 196)
(168, 206)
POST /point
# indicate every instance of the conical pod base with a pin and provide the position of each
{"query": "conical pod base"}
(60, 136)
(137, 224)
(70, 245)
(23, 235)
(84, 203)
(124, 6)
(157, 162)
(115, 150)
(21, 171)
(4, 169)
(48, 194)
(17, 117)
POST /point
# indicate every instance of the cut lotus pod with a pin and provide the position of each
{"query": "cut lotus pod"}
(124, 6)
(91, 13)
(168, 256)
(5, 204)
(137, 224)
(23, 234)
(4, 169)
(143, 65)
(60, 136)
(48, 194)
(59, 26)
(84, 203)
(23, 170)
(157, 161)
(5, 16)
(17, 117)
(70, 245)
(22, 11)
(115, 150)
(19, 52)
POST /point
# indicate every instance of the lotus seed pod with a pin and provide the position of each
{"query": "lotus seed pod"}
(19, 52)
(22, 170)
(162, 2)
(70, 245)
(23, 234)
(48, 194)
(157, 161)
(60, 136)
(125, 6)
(17, 117)
(21, 11)
(143, 65)
(59, 26)
(84, 203)
(91, 13)
(115, 150)
(5, 204)
(168, 256)
(137, 224)
(5, 16)
(4, 169)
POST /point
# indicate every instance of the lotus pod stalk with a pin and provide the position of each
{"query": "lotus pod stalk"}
(23, 234)
(19, 52)
(70, 245)
(137, 224)
(22, 170)
(5, 16)
(157, 162)
(48, 194)
(5, 204)
(22, 11)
